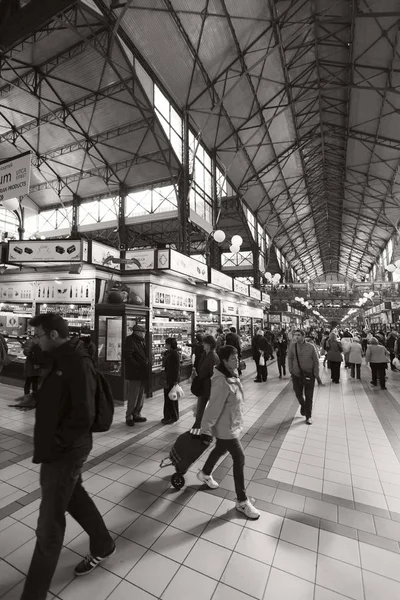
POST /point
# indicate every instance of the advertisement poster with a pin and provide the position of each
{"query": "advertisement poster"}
(17, 291)
(47, 251)
(15, 176)
(221, 280)
(140, 260)
(170, 298)
(101, 253)
(114, 339)
(240, 288)
(184, 265)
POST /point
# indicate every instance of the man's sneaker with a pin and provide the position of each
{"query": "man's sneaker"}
(309, 421)
(140, 419)
(248, 509)
(91, 562)
(208, 480)
(302, 410)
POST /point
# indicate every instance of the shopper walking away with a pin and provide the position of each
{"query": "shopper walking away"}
(355, 358)
(65, 414)
(232, 339)
(136, 373)
(262, 351)
(90, 346)
(4, 358)
(223, 418)
(346, 343)
(220, 338)
(208, 361)
(281, 351)
(334, 356)
(33, 366)
(378, 357)
(390, 345)
(171, 366)
(198, 350)
(304, 368)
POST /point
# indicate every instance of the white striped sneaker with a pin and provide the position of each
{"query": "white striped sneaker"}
(208, 480)
(91, 562)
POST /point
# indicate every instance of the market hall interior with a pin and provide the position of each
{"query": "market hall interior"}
(187, 167)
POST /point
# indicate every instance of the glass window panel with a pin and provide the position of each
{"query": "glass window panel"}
(207, 160)
(145, 80)
(177, 145)
(161, 103)
(176, 122)
(164, 123)
(208, 183)
(107, 209)
(88, 213)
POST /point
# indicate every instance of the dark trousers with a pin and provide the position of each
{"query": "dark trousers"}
(135, 395)
(355, 368)
(304, 391)
(281, 364)
(171, 407)
(262, 371)
(31, 381)
(200, 408)
(378, 371)
(234, 447)
(62, 491)
(392, 356)
(335, 370)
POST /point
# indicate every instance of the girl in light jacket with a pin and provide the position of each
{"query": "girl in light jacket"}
(223, 418)
(334, 356)
(378, 357)
(355, 358)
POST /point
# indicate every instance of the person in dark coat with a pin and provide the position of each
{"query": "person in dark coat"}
(281, 351)
(171, 365)
(65, 413)
(34, 364)
(136, 373)
(90, 346)
(390, 345)
(198, 350)
(334, 356)
(232, 339)
(261, 348)
(208, 361)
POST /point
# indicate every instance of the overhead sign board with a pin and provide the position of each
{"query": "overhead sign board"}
(15, 174)
(240, 288)
(184, 265)
(102, 254)
(266, 298)
(221, 280)
(254, 293)
(140, 260)
(31, 251)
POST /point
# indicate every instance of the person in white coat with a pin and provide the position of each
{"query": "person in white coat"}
(355, 358)
(346, 343)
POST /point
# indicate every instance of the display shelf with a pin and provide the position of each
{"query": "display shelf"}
(15, 350)
(176, 324)
(245, 332)
(208, 323)
(78, 316)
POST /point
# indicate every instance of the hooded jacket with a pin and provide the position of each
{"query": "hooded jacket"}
(65, 409)
(223, 417)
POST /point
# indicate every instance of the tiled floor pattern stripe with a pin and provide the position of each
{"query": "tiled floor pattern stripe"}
(300, 549)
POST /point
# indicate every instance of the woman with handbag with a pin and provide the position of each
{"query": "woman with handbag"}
(201, 385)
(334, 356)
(171, 365)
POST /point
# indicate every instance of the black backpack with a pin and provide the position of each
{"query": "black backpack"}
(104, 405)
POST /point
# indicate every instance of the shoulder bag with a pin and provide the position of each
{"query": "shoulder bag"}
(304, 376)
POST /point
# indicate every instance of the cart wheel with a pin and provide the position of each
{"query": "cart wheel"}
(178, 481)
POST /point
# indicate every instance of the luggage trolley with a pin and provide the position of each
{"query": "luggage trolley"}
(186, 450)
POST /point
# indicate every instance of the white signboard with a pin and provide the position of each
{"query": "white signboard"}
(66, 290)
(185, 265)
(171, 298)
(240, 288)
(254, 293)
(102, 252)
(15, 176)
(16, 291)
(221, 280)
(140, 260)
(250, 311)
(229, 308)
(266, 298)
(47, 251)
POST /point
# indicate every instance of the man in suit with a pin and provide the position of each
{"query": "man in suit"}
(136, 374)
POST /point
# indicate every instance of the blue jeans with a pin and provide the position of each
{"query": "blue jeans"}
(62, 491)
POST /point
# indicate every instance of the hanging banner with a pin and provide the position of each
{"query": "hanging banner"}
(221, 280)
(47, 251)
(140, 260)
(101, 254)
(254, 293)
(15, 174)
(184, 265)
(240, 288)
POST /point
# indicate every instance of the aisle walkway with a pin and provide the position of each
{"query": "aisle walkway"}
(329, 496)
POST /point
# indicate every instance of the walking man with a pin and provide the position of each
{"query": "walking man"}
(65, 414)
(136, 372)
(304, 368)
(281, 350)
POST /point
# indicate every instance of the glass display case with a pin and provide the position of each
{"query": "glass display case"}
(228, 321)
(78, 316)
(15, 349)
(207, 322)
(171, 323)
(245, 332)
(114, 323)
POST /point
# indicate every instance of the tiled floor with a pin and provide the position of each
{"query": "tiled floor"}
(329, 497)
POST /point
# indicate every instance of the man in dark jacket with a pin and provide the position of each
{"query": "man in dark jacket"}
(65, 414)
(136, 372)
(262, 351)
(232, 339)
(281, 350)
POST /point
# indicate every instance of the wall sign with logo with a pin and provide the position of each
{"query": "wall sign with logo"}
(15, 176)
(274, 318)
(251, 311)
(16, 291)
(184, 265)
(254, 293)
(169, 298)
(240, 288)
(212, 305)
(68, 290)
(101, 254)
(221, 280)
(229, 308)
(266, 298)
(47, 251)
(140, 260)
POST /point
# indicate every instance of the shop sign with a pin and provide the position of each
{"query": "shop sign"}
(47, 251)
(169, 298)
(140, 260)
(184, 265)
(15, 174)
(240, 288)
(229, 308)
(68, 290)
(265, 298)
(221, 280)
(251, 311)
(254, 293)
(16, 291)
(274, 318)
(212, 305)
(102, 254)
